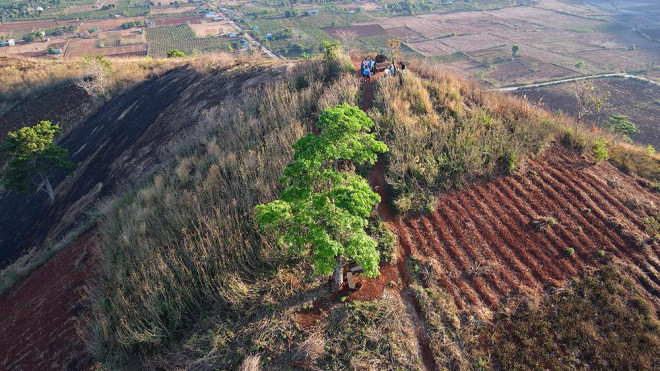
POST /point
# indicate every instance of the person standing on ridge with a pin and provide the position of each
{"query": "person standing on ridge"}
(363, 64)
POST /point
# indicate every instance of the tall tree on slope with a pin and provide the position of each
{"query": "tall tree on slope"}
(324, 206)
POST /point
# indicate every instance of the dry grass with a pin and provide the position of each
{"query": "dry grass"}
(250, 363)
(371, 336)
(25, 77)
(451, 332)
(444, 131)
(30, 77)
(601, 322)
(185, 241)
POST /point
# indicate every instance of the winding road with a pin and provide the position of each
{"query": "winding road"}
(564, 81)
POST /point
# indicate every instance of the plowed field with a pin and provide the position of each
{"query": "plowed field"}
(485, 249)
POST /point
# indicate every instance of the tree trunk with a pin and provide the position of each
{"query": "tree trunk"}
(48, 188)
(339, 274)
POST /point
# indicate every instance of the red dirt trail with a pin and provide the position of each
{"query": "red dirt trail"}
(398, 273)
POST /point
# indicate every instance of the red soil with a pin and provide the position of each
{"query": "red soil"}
(482, 237)
(38, 318)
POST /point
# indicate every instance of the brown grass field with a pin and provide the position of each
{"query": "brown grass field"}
(109, 24)
(83, 47)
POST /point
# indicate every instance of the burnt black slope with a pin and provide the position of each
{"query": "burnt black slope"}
(127, 138)
(25, 221)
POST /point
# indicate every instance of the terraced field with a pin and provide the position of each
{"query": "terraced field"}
(485, 248)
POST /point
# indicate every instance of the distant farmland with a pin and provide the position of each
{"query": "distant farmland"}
(181, 37)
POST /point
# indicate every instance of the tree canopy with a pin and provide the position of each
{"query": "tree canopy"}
(515, 49)
(621, 124)
(324, 205)
(33, 155)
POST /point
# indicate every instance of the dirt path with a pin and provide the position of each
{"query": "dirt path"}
(399, 272)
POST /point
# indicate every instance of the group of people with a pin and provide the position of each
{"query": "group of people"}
(368, 68)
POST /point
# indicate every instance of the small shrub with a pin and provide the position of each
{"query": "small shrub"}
(174, 53)
(573, 140)
(649, 151)
(510, 161)
(600, 253)
(543, 222)
(600, 150)
(569, 251)
(621, 124)
(653, 226)
(385, 238)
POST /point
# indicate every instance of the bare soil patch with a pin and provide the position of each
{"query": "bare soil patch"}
(35, 49)
(82, 47)
(109, 24)
(212, 28)
(15, 26)
(431, 48)
(525, 69)
(405, 34)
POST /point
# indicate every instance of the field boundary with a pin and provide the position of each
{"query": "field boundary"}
(574, 79)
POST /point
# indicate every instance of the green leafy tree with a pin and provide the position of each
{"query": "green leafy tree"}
(514, 50)
(621, 124)
(33, 157)
(324, 206)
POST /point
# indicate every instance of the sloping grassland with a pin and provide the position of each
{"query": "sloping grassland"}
(502, 214)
